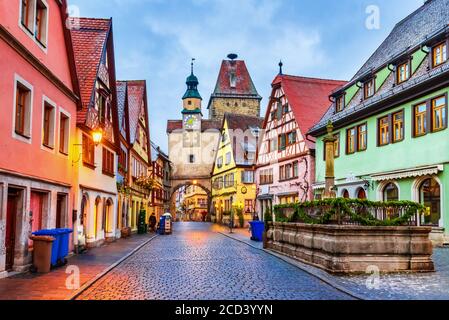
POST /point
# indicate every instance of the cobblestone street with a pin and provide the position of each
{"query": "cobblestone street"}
(196, 262)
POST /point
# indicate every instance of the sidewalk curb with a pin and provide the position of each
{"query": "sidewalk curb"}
(92, 281)
(308, 269)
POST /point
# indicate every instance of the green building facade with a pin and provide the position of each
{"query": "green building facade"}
(391, 120)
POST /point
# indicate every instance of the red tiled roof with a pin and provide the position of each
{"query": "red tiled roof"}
(136, 96)
(244, 85)
(243, 122)
(308, 98)
(89, 41)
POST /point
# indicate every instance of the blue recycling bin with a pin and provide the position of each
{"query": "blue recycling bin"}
(161, 229)
(55, 247)
(257, 229)
(64, 243)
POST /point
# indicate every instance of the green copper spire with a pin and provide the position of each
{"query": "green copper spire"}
(192, 86)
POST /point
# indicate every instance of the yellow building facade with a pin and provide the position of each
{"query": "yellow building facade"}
(233, 181)
(195, 203)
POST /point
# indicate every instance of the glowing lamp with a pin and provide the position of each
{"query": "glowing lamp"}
(195, 182)
(97, 136)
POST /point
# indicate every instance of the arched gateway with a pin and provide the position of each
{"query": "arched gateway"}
(204, 184)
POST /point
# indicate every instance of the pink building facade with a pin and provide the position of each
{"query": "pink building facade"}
(286, 160)
(39, 99)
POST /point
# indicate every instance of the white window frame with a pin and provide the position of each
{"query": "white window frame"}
(31, 33)
(19, 80)
(69, 123)
(51, 148)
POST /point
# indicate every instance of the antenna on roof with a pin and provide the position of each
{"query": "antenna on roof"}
(280, 67)
(232, 56)
(193, 60)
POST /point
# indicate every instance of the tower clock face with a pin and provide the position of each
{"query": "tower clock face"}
(191, 122)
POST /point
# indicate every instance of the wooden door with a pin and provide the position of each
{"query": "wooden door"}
(10, 239)
(36, 205)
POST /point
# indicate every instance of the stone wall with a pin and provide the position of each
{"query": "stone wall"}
(352, 249)
(219, 106)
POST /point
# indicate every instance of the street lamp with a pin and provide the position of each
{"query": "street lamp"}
(97, 136)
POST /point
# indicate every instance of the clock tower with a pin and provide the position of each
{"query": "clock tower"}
(191, 112)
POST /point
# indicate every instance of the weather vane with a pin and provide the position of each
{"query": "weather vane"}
(193, 60)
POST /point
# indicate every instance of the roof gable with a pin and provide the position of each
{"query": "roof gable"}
(308, 98)
(89, 46)
(234, 80)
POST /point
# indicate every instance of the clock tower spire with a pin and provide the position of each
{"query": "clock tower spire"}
(192, 103)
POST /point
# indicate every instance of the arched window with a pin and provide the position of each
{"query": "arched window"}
(361, 194)
(430, 197)
(391, 192)
(345, 194)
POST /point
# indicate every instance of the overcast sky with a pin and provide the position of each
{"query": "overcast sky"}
(156, 39)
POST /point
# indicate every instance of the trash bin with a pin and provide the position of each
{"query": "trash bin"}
(55, 247)
(257, 229)
(42, 253)
(64, 241)
(161, 229)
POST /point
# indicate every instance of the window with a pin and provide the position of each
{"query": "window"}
(191, 158)
(439, 54)
(286, 109)
(266, 176)
(295, 169)
(273, 145)
(108, 162)
(48, 125)
(64, 127)
(88, 151)
(351, 141)
(430, 197)
(390, 192)
(41, 23)
(27, 14)
(288, 171)
(362, 135)
(101, 107)
(229, 180)
(340, 103)
(281, 173)
(233, 80)
(249, 206)
(420, 120)
(336, 146)
(228, 158)
(439, 114)
(220, 162)
(403, 72)
(218, 183)
(247, 176)
(291, 138)
(384, 131)
(123, 166)
(23, 109)
(282, 142)
(369, 88)
(398, 126)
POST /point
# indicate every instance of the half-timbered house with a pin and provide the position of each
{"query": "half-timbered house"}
(97, 131)
(286, 160)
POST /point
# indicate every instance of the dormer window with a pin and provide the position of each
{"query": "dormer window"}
(369, 88)
(403, 72)
(233, 80)
(340, 103)
(439, 54)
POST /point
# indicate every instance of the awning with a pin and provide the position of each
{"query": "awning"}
(265, 197)
(287, 194)
(319, 186)
(408, 173)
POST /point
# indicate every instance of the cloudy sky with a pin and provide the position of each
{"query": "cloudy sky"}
(156, 39)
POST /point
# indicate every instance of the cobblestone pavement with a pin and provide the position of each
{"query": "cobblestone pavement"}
(416, 286)
(52, 286)
(197, 263)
